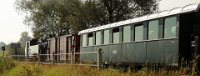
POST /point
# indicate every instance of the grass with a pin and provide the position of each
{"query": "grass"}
(6, 64)
(25, 69)
(9, 67)
(5, 53)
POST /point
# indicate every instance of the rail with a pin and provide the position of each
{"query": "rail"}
(54, 58)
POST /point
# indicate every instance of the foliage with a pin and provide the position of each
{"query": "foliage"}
(6, 53)
(24, 38)
(25, 69)
(6, 64)
(117, 10)
(50, 18)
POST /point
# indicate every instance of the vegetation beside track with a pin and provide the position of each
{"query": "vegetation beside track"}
(10, 67)
(5, 53)
(6, 64)
(25, 69)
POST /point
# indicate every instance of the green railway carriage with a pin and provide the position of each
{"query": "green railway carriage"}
(162, 38)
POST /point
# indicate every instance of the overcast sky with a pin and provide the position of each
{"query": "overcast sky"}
(169, 4)
(11, 23)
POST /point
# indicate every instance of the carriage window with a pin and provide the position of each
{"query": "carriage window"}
(139, 32)
(127, 33)
(90, 38)
(170, 27)
(84, 41)
(153, 30)
(106, 37)
(115, 32)
(98, 38)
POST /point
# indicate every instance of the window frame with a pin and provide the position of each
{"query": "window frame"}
(158, 29)
(130, 34)
(176, 25)
(100, 39)
(91, 34)
(116, 30)
(108, 37)
(86, 42)
(136, 25)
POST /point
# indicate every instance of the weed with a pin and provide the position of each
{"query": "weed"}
(33, 69)
(6, 64)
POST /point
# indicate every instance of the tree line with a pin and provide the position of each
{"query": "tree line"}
(50, 18)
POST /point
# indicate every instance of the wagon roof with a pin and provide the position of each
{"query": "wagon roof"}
(174, 11)
(68, 35)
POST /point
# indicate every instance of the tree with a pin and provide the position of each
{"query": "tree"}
(24, 38)
(50, 18)
(117, 10)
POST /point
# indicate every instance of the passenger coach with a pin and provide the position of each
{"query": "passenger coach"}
(166, 37)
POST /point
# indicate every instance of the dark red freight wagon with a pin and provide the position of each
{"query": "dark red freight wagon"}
(64, 48)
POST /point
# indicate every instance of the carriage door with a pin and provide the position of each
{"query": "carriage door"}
(195, 44)
(195, 34)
